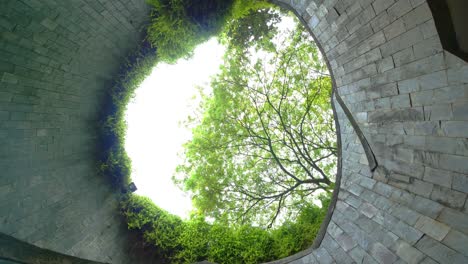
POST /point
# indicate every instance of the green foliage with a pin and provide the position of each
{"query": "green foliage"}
(266, 141)
(114, 160)
(196, 240)
(178, 26)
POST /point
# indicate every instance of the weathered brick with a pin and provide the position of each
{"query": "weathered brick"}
(448, 197)
(381, 5)
(403, 57)
(9, 78)
(438, 112)
(368, 210)
(361, 256)
(345, 241)
(427, 47)
(419, 15)
(401, 42)
(455, 128)
(439, 177)
(433, 228)
(457, 241)
(455, 219)
(408, 253)
(394, 29)
(382, 254)
(439, 252)
(460, 182)
(322, 256)
(460, 111)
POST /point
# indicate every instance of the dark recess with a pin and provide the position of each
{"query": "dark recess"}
(451, 20)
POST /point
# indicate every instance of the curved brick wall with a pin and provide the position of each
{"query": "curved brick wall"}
(57, 57)
(407, 96)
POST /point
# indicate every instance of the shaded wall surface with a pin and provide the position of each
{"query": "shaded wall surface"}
(410, 99)
(57, 57)
(406, 94)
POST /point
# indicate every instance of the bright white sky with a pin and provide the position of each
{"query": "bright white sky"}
(154, 136)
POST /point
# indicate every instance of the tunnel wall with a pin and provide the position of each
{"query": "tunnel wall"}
(57, 57)
(407, 96)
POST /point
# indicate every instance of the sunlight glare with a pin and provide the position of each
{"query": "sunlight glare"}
(154, 136)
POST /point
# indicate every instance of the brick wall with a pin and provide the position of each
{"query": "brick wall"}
(57, 57)
(409, 98)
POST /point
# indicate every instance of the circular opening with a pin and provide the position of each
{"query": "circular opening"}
(261, 152)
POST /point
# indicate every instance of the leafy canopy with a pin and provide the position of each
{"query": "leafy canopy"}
(266, 140)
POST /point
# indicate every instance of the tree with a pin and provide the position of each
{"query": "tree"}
(266, 140)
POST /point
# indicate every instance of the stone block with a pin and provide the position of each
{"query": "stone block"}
(460, 111)
(382, 103)
(401, 42)
(425, 206)
(421, 188)
(457, 241)
(405, 114)
(454, 163)
(455, 128)
(455, 219)
(448, 197)
(9, 78)
(345, 241)
(439, 177)
(422, 98)
(381, 254)
(433, 80)
(439, 252)
(49, 24)
(417, 16)
(408, 86)
(433, 228)
(408, 253)
(399, 9)
(428, 158)
(385, 64)
(366, 182)
(334, 230)
(383, 189)
(427, 47)
(405, 214)
(368, 210)
(400, 101)
(401, 229)
(404, 154)
(460, 182)
(340, 256)
(381, 5)
(355, 189)
(382, 91)
(400, 177)
(458, 75)
(403, 57)
(322, 256)
(438, 112)
(394, 29)
(353, 201)
(361, 256)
